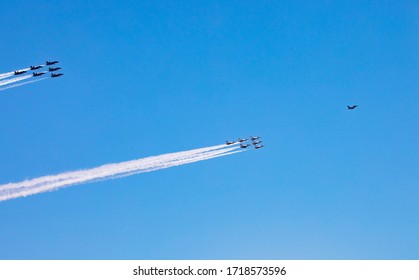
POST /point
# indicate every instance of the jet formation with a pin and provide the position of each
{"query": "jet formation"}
(36, 74)
(255, 141)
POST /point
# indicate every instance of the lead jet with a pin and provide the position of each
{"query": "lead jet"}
(258, 147)
(51, 62)
(241, 140)
(244, 146)
(254, 137)
(56, 75)
(230, 143)
(38, 74)
(352, 107)
(20, 72)
(36, 67)
(256, 142)
(50, 69)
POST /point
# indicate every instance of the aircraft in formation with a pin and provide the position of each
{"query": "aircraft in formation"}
(56, 75)
(20, 72)
(36, 67)
(255, 142)
(352, 107)
(50, 69)
(51, 62)
(38, 74)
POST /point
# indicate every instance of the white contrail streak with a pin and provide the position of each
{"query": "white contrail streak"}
(14, 80)
(21, 84)
(110, 171)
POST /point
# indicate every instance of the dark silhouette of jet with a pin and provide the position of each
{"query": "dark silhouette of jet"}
(241, 140)
(352, 107)
(256, 142)
(258, 147)
(50, 69)
(254, 137)
(38, 74)
(56, 75)
(20, 72)
(230, 142)
(36, 67)
(51, 62)
(244, 146)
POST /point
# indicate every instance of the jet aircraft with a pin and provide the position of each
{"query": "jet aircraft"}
(230, 142)
(256, 142)
(51, 62)
(56, 75)
(20, 72)
(50, 69)
(254, 137)
(352, 107)
(38, 74)
(242, 140)
(36, 67)
(258, 147)
(244, 146)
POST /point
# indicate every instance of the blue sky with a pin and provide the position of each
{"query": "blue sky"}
(145, 78)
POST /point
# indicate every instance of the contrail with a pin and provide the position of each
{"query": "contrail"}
(14, 80)
(110, 171)
(21, 84)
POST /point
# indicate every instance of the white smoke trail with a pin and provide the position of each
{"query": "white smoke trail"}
(21, 84)
(9, 74)
(109, 171)
(14, 80)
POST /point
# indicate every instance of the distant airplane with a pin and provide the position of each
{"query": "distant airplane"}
(36, 67)
(55, 75)
(256, 142)
(242, 140)
(254, 137)
(38, 74)
(230, 143)
(352, 107)
(50, 69)
(20, 72)
(244, 146)
(51, 62)
(258, 147)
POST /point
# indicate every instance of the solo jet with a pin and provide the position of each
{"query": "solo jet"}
(230, 142)
(51, 62)
(241, 140)
(254, 137)
(20, 72)
(258, 147)
(352, 107)
(50, 69)
(244, 146)
(36, 67)
(38, 74)
(56, 75)
(256, 142)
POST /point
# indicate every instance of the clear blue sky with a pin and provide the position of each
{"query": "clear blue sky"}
(145, 78)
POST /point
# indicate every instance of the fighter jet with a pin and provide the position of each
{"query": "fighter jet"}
(254, 137)
(38, 74)
(244, 146)
(242, 140)
(20, 72)
(230, 142)
(258, 147)
(51, 62)
(352, 107)
(50, 69)
(36, 67)
(56, 75)
(256, 142)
